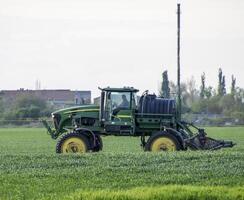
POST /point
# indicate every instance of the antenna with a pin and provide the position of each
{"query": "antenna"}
(178, 62)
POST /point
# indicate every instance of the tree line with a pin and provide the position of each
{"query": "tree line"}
(22, 108)
(208, 100)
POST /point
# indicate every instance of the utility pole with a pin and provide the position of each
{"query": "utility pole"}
(178, 62)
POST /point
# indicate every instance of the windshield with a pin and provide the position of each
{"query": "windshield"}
(120, 99)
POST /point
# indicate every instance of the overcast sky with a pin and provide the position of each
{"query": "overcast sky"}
(83, 44)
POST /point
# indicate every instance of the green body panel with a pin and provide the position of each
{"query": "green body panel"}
(139, 125)
(69, 114)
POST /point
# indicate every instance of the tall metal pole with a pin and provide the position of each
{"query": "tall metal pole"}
(178, 62)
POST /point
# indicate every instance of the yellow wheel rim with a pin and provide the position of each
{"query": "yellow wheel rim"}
(74, 145)
(163, 144)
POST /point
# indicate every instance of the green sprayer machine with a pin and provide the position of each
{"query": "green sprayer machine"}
(156, 120)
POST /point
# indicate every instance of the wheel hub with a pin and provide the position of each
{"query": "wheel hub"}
(163, 144)
(74, 145)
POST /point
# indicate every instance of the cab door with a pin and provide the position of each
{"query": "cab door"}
(119, 109)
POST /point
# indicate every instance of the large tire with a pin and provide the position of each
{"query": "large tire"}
(162, 141)
(99, 144)
(73, 143)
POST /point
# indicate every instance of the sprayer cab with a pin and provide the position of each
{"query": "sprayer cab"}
(117, 110)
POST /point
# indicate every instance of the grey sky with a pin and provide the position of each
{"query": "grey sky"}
(83, 44)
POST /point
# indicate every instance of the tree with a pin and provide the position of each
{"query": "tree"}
(199, 106)
(25, 101)
(209, 92)
(227, 104)
(223, 86)
(220, 77)
(28, 106)
(192, 91)
(239, 99)
(202, 88)
(233, 86)
(213, 105)
(165, 90)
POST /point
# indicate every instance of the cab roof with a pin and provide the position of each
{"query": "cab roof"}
(123, 89)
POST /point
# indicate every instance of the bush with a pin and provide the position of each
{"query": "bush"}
(25, 107)
(238, 116)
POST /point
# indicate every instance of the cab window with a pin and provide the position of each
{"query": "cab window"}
(120, 100)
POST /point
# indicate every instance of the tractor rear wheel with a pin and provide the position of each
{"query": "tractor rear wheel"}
(73, 143)
(162, 141)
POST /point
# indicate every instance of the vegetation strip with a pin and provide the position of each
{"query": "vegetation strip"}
(167, 192)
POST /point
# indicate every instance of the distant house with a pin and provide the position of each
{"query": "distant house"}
(59, 98)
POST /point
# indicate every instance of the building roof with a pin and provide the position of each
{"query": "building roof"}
(57, 95)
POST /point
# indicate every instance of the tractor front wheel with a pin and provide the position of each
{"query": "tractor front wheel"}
(73, 143)
(162, 141)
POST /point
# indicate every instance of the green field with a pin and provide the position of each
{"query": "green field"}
(30, 169)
